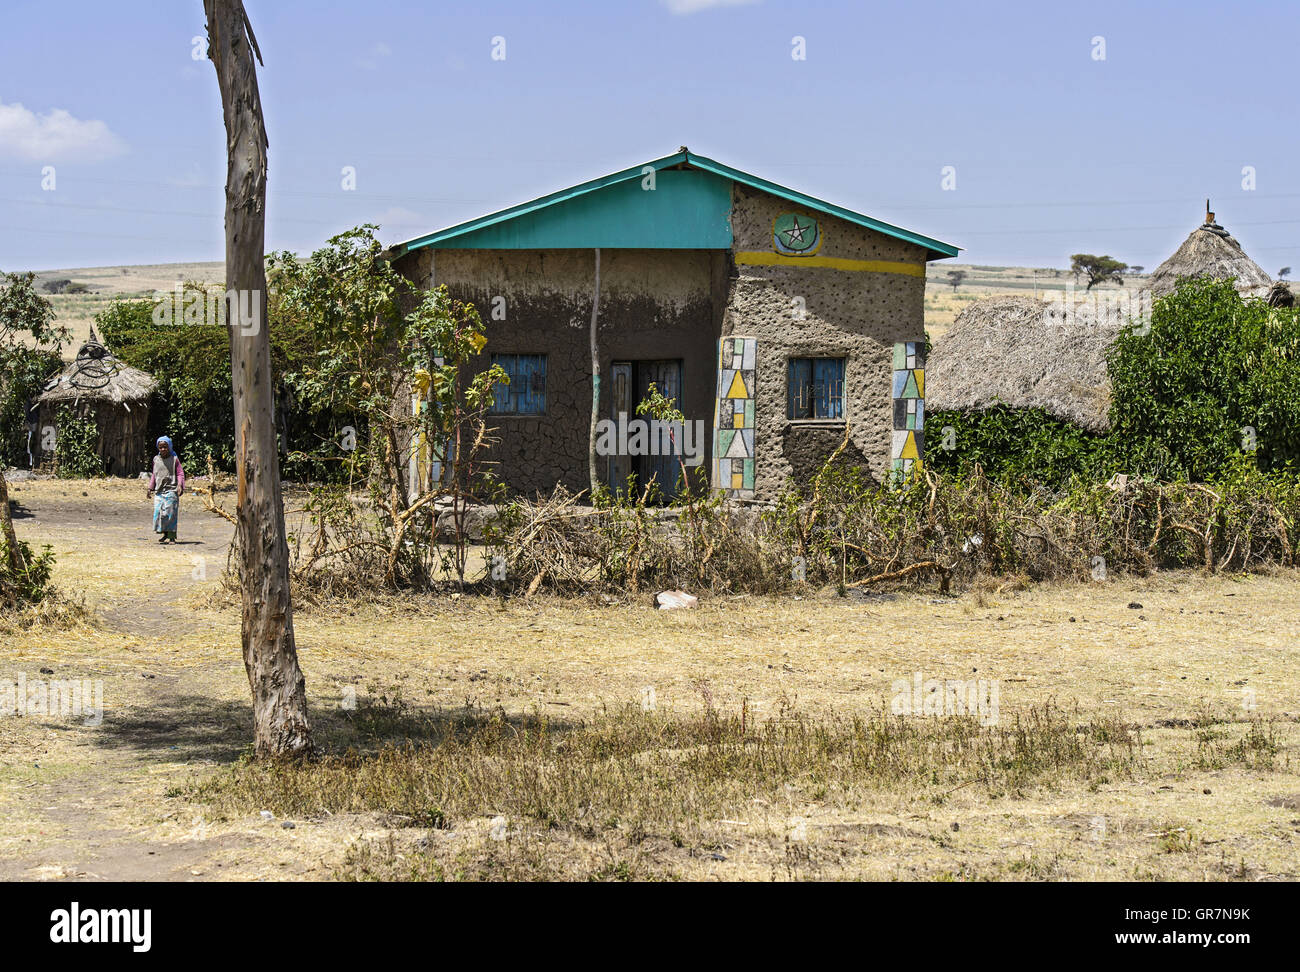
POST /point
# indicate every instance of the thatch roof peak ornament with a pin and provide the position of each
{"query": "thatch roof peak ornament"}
(1210, 251)
(96, 374)
(1212, 226)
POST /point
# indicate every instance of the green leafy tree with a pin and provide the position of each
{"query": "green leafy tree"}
(26, 326)
(377, 342)
(955, 277)
(191, 363)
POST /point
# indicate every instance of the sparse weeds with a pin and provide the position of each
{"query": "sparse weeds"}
(1256, 749)
(630, 778)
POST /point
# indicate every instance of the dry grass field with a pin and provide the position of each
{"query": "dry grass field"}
(77, 312)
(1145, 729)
(943, 303)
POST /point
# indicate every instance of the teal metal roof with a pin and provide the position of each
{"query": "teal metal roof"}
(689, 210)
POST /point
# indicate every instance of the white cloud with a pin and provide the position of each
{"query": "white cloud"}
(55, 137)
(375, 53)
(686, 7)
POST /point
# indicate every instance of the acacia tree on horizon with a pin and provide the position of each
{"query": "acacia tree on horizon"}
(280, 725)
(1099, 269)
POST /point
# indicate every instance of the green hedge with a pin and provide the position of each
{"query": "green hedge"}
(1014, 445)
(76, 450)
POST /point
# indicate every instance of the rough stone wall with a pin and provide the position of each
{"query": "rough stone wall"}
(654, 304)
(858, 315)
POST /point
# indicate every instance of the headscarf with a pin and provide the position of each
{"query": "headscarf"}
(170, 448)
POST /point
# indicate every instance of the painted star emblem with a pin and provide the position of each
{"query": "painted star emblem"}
(795, 233)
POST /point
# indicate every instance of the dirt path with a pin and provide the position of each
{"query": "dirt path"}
(88, 796)
(101, 519)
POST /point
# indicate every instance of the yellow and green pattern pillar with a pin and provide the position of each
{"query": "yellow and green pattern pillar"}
(908, 447)
(733, 418)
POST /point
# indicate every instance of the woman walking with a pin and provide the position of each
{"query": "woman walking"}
(166, 485)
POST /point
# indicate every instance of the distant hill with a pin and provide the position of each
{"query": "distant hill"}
(106, 284)
(942, 304)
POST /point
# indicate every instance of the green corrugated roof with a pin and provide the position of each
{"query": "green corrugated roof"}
(628, 225)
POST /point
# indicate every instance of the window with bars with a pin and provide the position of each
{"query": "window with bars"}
(526, 392)
(816, 388)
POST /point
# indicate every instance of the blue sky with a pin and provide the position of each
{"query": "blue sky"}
(1054, 150)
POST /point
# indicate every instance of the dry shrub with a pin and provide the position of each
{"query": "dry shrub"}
(54, 612)
(628, 545)
(844, 530)
(839, 529)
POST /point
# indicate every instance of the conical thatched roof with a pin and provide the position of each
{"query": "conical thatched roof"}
(1211, 252)
(1026, 353)
(96, 375)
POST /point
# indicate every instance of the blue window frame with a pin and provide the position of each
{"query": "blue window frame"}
(816, 388)
(526, 392)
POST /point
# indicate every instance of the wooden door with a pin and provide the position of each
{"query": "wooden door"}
(666, 376)
(620, 400)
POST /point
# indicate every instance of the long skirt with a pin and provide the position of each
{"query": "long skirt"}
(166, 511)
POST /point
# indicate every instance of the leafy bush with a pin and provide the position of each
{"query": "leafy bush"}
(76, 447)
(1215, 376)
(30, 583)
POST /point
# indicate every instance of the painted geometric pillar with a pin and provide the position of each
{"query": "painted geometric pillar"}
(908, 447)
(733, 418)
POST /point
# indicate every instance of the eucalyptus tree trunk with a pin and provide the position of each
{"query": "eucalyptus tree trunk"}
(280, 723)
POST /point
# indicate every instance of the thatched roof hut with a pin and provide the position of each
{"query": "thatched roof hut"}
(99, 386)
(1210, 251)
(1026, 353)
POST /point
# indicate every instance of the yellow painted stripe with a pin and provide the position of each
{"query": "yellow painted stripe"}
(761, 258)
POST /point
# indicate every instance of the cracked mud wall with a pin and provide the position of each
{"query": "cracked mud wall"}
(654, 304)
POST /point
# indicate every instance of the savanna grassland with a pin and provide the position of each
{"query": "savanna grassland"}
(942, 303)
(1145, 729)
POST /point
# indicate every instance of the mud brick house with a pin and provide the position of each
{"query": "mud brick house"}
(772, 318)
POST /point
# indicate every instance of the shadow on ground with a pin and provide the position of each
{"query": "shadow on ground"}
(180, 727)
(183, 727)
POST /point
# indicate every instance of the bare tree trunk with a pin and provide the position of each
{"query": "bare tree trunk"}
(280, 724)
(595, 384)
